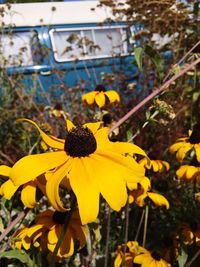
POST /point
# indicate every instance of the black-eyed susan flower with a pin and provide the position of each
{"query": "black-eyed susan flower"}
(125, 258)
(188, 173)
(46, 230)
(150, 259)
(156, 198)
(137, 189)
(190, 233)
(185, 144)
(155, 165)
(101, 97)
(90, 161)
(28, 190)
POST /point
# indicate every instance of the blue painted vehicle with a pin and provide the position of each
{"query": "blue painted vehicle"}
(62, 45)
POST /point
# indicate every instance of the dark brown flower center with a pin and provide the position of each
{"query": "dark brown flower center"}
(59, 217)
(100, 88)
(80, 142)
(195, 136)
(155, 255)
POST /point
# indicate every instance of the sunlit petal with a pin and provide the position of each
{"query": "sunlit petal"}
(8, 189)
(158, 199)
(49, 140)
(5, 170)
(113, 96)
(53, 183)
(89, 97)
(31, 166)
(100, 99)
(83, 184)
(28, 195)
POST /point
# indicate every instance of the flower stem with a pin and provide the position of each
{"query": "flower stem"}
(145, 225)
(107, 237)
(64, 229)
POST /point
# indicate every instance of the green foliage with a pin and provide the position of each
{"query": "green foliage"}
(20, 255)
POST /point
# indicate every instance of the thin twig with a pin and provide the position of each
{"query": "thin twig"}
(196, 255)
(140, 225)
(126, 232)
(107, 237)
(20, 217)
(145, 225)
(154, 93)
(7, 157)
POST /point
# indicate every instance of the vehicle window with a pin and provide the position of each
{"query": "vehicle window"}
(96, 42)
(18, 49)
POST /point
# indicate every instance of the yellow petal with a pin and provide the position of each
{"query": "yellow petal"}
(49, 140)
(125, 147)
(100, 99)
(146, 184)
(8, 189)
(109, 179)
(5, 170)
(89, 97)
(140, 200)
(52, 186)
(173, 148)
(83, 184)
(54, 234)
(94, 127)
(29, 167)
(180, 155)
(181, 172)
(158, 199)
(191, 172)
(69, 125)
(118, 261)
(28, 195)
(197, 150)
(113, 96)
(130, 169)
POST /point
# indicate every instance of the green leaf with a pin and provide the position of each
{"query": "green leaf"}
(20, 255)
(156, 59)
(138, 56)
(182, 258)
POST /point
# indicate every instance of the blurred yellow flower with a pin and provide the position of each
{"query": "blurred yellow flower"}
(155, 165)
(100, 97)
(150, 259)
(28, 190)
(190, 233)
(90, 161)
(46, 230)
(188, 173)
(132, 249)
(185, 144)
(156, 198)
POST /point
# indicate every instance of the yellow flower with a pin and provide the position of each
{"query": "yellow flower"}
(28, 191)
(185, 144)
(91, 162)
(191, 233)
(137, 189)
(155, 165)
(46, 231)
(100, 97)
(157, 199)
(132, 248)
(188, 173)
(150, 259)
